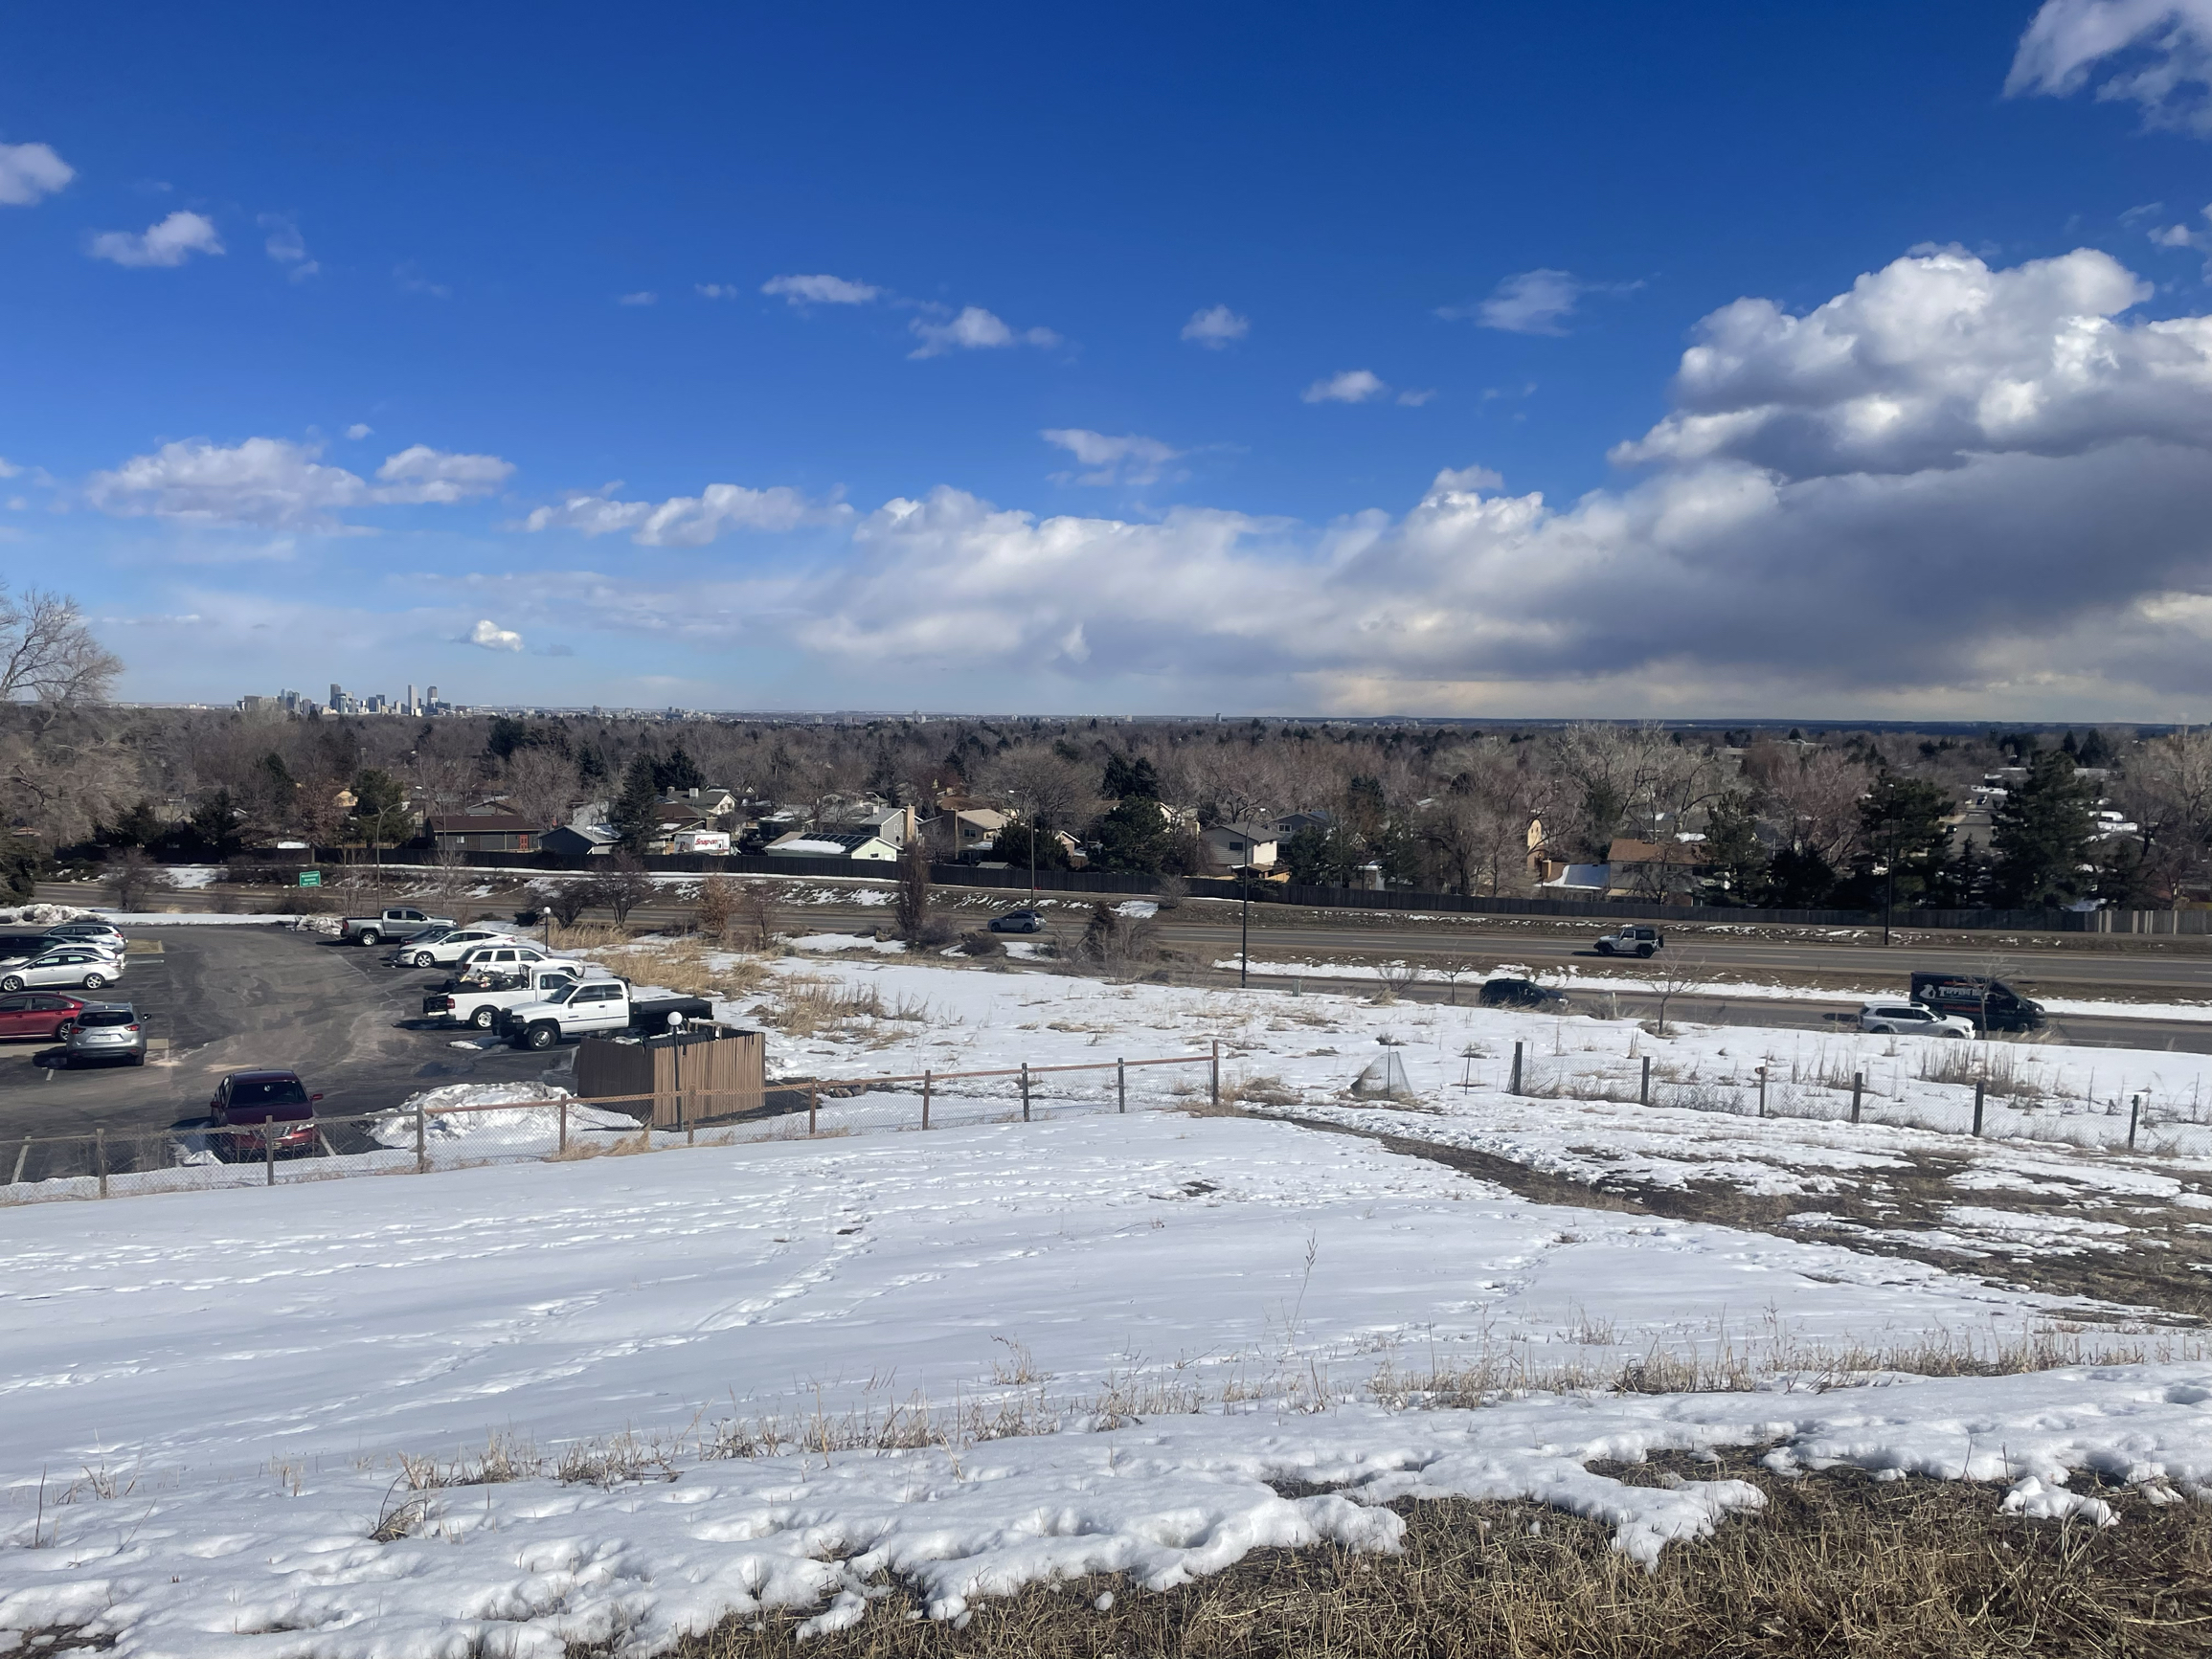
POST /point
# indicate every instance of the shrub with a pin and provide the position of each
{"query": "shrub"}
(982, 942)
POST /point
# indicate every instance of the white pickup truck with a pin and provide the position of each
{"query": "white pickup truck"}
(480, 1005)
(393, 924)
(595, 1008)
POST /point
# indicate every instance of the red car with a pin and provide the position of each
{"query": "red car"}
(47, 1014)
(251, 1106)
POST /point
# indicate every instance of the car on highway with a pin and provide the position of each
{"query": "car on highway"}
(1017, 922)
(46, 1015)
(1635, 941)
(107, 1031)
(1524, 994)
(1985, 1003)
(82, 965)
(253, 1111)
(446, 946)
(1898, 1018)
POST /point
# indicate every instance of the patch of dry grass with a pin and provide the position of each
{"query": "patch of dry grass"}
(1836, 1564)
(688, 966)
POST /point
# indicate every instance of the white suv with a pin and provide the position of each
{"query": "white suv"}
(1902, 1019)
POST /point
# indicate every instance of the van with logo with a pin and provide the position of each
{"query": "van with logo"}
(1990, 1004)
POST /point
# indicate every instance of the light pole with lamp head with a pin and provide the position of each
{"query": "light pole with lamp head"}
(1244, 940)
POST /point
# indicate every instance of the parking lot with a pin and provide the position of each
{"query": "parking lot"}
(227, 997)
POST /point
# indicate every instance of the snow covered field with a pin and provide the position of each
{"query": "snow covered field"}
(753, 1374)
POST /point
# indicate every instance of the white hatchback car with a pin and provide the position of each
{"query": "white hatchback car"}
(65, 965)
(1902, 1019)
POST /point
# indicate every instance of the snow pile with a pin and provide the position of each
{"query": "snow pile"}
(849, 942)
(446, 1120)
(40, 916)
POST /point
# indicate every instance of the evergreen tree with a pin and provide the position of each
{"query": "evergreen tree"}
(1131, 839)
(2040, 835)
(1800, 878)
(214, 826)
(1901, 818)
(678, 771)
(1012, 845)
(634, 818)
(1736, 860)
(380, 815)
(1126, 778)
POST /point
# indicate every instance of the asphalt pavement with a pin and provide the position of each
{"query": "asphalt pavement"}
(228, 997)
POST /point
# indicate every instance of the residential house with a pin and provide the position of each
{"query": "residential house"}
(833, 843)
(708, 803)
(483, 830)
(1230, 846)
(1665, 870)
(895, 824)
(579, 840)
(976, 829)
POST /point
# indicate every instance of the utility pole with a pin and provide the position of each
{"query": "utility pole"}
(1244, 942)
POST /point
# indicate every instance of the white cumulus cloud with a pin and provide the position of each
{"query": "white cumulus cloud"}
(1952, 487)
(972, 330)
(1215, 327)
(1352, 386)
(359, 429)
(642, 297)
(171, 242)
(2157, 53)
(687, 520)
(818, 290)
(494, 638)
(272, 484)
(1129, 459)
(30, 172)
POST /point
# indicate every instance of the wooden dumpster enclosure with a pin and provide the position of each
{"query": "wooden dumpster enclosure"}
(693, 1076)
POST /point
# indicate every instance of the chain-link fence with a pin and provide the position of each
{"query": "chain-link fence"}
(192, 1157)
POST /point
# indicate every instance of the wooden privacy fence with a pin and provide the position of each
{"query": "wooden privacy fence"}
(686, 1075)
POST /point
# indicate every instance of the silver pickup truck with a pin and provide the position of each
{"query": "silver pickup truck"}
(394, 924)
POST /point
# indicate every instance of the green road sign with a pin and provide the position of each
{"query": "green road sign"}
(310, 878)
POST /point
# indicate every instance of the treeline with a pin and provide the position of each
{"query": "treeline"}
(1808, 820)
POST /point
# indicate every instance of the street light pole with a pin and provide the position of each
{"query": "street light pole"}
(1244, 941)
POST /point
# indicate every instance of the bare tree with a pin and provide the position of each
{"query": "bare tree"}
(130, 875)
(1673, 976)
(541, 785)
(46, 653)
(621, 886)
(914, 890)
(717, 906)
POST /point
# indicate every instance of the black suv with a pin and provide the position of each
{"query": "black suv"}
(1521, 994)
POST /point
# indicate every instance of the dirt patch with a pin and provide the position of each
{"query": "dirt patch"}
(1836, 1564)
(2163, 1266)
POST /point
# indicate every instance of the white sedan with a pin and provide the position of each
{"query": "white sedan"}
(444, 950)
(67, 965)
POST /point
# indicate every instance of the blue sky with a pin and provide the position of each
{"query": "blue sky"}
(1162, 359)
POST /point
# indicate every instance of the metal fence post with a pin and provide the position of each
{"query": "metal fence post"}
(813, 1106)
(564, 1143)
(1762, 1091)
(269, 1152)
(1643, 1090)
(925, 1082)
(1980, 1086)
(100, 1155)
(422, 1143)
(1514, 1088)
(1024, 1091)
(1121, 1085)
(2134, 1113)
(1858, 1087)
(1216, 1083)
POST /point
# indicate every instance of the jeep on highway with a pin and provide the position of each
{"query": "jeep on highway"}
(1633, 941)
(393, 924)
